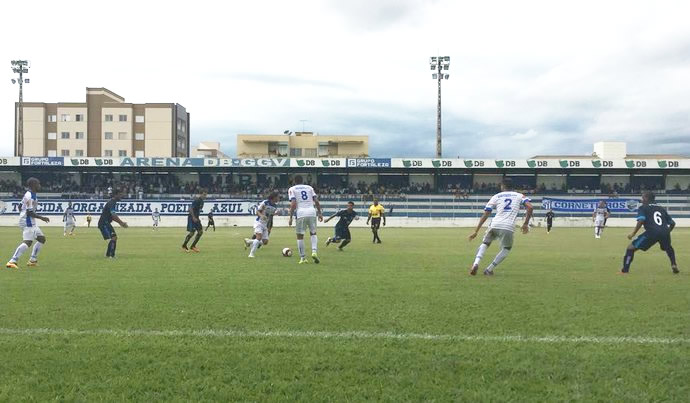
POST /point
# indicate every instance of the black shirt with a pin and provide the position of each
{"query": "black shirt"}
(197, 205)
(655, 218)
(109, 209)
(346, 217)
(549, 216)
(210, 215)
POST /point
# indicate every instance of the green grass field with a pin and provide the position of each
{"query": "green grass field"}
(400, 321)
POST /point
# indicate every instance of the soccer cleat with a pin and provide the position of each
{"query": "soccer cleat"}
(315, 257)
(488, 272)
(675, 270)
(623, 272)
(303, 261)
(12, 265)
(341, 249)
(473, 270)
(32, 263)
(185, 249)
(251, 256)
(379, 241)
(328, 241)
(195, 249)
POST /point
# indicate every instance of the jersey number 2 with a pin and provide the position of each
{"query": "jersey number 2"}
(508, 203)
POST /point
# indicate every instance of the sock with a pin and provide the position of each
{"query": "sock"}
(109, 250)
(498, 259)
(19, 252)
(671, 255)
(344, 244)
(627, 260)
(480, 253)
(198, 236)
(255, 245)
(112, 252)
(186, 240)
(35, 250)
(314, 243)
(300, 247)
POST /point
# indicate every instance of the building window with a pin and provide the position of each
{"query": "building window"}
(52, 153)
(139, 153)
(123, 118)
(122, 135)
(122, 153)
(138, 136)
(52, 136)
(78, 153)
(64, 135)
(64, 117)
(64, 153)
(52, 118)
(108, 135)
(79, 117)
(295, 152)
(108, 118)
(139, 118)
(79, 135)
(310, 152)
(107, 153)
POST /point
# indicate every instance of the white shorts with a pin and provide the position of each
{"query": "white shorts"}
(306, 222)
(31, 233)
(598, 223)
(504, 235)
(70, 224)
(261, 228)
(155, 223)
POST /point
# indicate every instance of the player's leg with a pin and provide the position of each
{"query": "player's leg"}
(40, 241)
(27, 240)
(642, 242)
(670, 252)
(199, 233)
(256, 243)
(628, 257)
(373, 230)
(346, 238)
(489, 236)
(506, 245)
(71, 228)
(314, 239)
(378, 227)
(549, 224)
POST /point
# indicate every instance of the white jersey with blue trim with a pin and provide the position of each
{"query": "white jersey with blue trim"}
(600, 213)
(269, 210)
(156, 215)
(69, 215)
(29, 203)
(305, 196)
(507, 206)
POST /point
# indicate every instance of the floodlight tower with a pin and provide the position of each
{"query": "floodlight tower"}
(20, 67)
(440, 66)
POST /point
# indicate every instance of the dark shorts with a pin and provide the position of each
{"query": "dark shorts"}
(342, 232)
(193, 226)
(211, 222)
(649, 239)
(107, 231)
(376, 222)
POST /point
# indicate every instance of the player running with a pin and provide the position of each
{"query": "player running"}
(69, 220)
(376, 213)
(599, 216)
(342, 228)
(211, 222)
(27, 223)
(108, 215)
(549, 220)
(194, 222)
(305, 204)
(156, 217)
(658, 226)
(507, 205)
(88, 220)
(264, 213)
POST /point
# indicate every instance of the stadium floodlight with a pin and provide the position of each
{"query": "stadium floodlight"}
(21, 68)
(438, 64)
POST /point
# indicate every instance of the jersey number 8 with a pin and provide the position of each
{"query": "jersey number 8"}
(304, 195)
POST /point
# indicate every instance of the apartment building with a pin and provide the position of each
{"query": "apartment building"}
(103, 126)
(302, 144)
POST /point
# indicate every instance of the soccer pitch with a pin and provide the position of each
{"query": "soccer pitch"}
(398, 321)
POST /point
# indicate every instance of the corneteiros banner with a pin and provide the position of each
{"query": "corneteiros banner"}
(588, 205)
(137, 207)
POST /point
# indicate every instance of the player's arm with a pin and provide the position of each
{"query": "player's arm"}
(640, 221)
(594, 215)
(119, 221)
(369, 216)
(317, 204)
(195, 218)
(33, 214)
(293, 208)
(64, 217)
(671, 223)
(528, 215)
(482, 220)
(330, 218)
(261, 211)
(383, 215)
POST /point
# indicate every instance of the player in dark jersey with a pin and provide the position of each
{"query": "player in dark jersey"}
(108, 215)
(342, 228)
(657, 228)
(194, 222)
(549, 221)
(211, 222)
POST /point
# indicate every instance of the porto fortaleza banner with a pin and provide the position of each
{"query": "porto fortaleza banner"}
(588, 205)
(137, 207)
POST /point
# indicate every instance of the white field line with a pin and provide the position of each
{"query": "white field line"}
(348, 335)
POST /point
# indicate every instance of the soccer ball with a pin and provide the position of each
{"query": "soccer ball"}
(287, 252)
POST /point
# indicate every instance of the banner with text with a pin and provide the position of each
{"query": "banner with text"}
(588, 205)
(137, 207)
(317, 162)
(369, 162)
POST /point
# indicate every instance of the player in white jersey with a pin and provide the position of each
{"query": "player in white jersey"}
(69, 220)
(599, 216)
(27, 223)
(264, 213)
(305, 204)
(507, 205)
(156, 216)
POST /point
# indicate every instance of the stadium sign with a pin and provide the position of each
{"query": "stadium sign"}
(161, 162)
(589, 205)
(10, 161)
(425, 163)
(92, 162)
(317, 163)
(137, 207)
(369, 162)
(247, 162)
(43, 161)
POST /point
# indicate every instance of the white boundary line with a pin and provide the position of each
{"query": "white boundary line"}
(287, 334)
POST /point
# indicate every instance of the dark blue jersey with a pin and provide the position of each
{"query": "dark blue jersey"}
(655, 218)
(346, 217)
(197, 205)
(109, 210)
(549, 216)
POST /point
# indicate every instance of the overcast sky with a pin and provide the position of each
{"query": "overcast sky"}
(526, 77)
